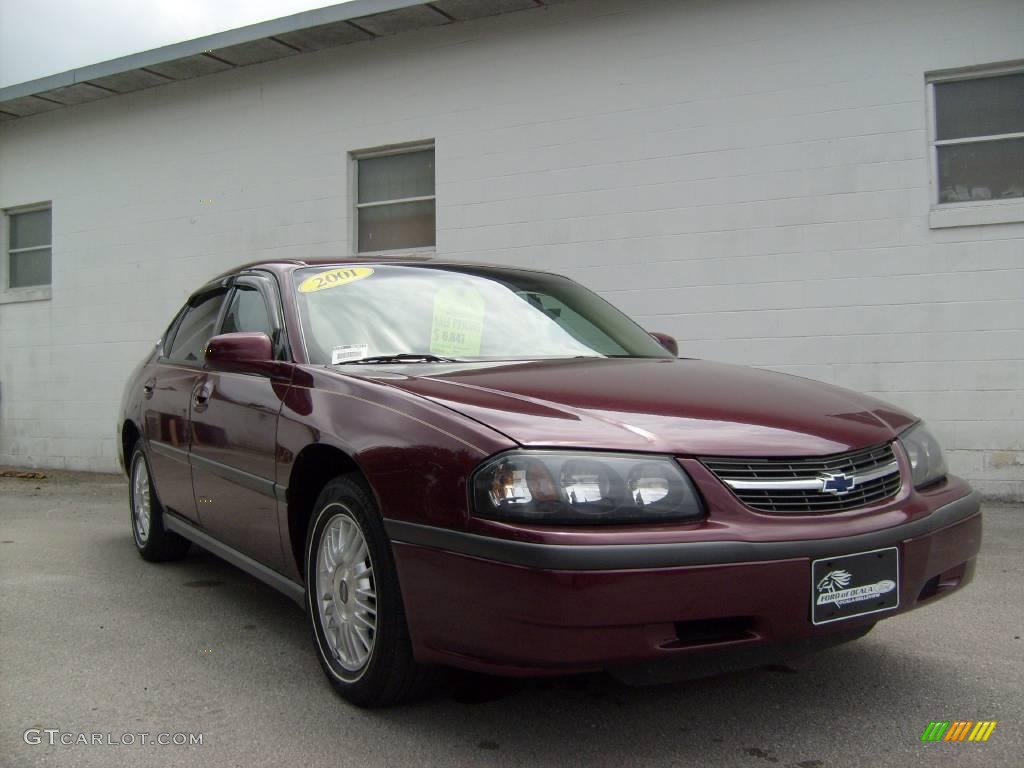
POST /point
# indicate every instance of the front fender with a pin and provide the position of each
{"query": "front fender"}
(415, 454)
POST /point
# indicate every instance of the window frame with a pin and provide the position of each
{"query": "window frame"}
(971, 212)
(223, 290)
(9, 294)
(172, 329)
(265, 285)
(385, 151)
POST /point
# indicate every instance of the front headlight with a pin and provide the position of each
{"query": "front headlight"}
(584, 489)
(927, 464)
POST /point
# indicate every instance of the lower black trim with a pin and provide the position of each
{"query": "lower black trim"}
(720, 660)
(268, 576)
(637, 556)
(170, 451)
(237, 476)
(231, 474)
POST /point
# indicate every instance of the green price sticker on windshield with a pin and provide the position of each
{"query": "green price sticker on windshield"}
(458, 324)
(333, 278)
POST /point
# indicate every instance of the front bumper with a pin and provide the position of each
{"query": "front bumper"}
(524, 609)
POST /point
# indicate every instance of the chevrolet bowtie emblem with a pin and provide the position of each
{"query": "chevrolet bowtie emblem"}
(838, 485)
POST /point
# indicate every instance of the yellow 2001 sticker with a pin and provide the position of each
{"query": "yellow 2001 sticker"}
(333, 278)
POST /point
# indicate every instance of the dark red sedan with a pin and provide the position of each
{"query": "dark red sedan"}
(495, 469)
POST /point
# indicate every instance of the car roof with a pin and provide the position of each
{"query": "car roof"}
(284, 266)
(289, 265)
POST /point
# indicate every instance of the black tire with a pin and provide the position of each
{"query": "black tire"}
(153, 542)
(389, 675)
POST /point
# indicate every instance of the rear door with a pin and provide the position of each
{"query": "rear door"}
(234, 433)
(167, 397)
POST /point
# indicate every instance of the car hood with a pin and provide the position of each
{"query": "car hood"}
(682, 407)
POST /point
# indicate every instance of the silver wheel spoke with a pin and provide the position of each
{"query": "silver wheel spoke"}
(339, 642)
(347, 592)
(356, 554)
(336, 546)
(342, 643)
(350, 642)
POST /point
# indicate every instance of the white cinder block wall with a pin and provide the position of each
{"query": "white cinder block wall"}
(750, 176)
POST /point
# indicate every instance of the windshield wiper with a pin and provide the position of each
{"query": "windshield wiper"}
(405, 357)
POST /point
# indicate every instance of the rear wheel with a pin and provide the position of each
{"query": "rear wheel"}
(354, 602)
(152, 541)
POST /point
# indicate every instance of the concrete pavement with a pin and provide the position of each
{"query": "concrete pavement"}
(95, 640)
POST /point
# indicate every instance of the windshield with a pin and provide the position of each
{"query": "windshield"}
(354, 312)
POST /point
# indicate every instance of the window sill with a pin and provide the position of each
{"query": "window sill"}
(975, 214)
(35, 293)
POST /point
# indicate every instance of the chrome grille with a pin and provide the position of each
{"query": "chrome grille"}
(798, 485)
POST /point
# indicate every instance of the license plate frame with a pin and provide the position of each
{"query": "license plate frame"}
(868, 580)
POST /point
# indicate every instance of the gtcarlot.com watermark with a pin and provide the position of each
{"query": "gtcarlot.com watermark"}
(56, 737)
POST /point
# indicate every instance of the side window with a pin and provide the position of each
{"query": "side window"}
(248, 312)
(168, 338)
(195, 330)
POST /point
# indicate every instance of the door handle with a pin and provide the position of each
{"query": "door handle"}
(147, 388)
(201, 398)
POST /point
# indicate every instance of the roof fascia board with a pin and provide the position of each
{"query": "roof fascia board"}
(304, 20)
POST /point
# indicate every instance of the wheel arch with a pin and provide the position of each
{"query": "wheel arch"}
(130, 435)
(315, 466)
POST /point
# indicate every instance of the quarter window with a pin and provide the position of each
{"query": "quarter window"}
(978, 135)
(395, 206)
(29, 247)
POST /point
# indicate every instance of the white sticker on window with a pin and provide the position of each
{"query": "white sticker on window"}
(348, 352)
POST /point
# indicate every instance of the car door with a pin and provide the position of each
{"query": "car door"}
(167, 396)
(234, 433)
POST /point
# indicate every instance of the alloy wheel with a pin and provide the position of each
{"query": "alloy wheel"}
(141, 502)
(346, 592)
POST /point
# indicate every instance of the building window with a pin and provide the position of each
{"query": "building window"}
(29, 244)
(978, 137)
(395, 199)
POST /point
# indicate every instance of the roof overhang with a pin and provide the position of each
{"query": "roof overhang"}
(293, 35)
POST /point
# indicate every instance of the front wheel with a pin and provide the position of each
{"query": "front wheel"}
(354, 601)
(152, 541)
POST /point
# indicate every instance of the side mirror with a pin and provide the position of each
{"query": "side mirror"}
(240, 353)
(667, 342)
